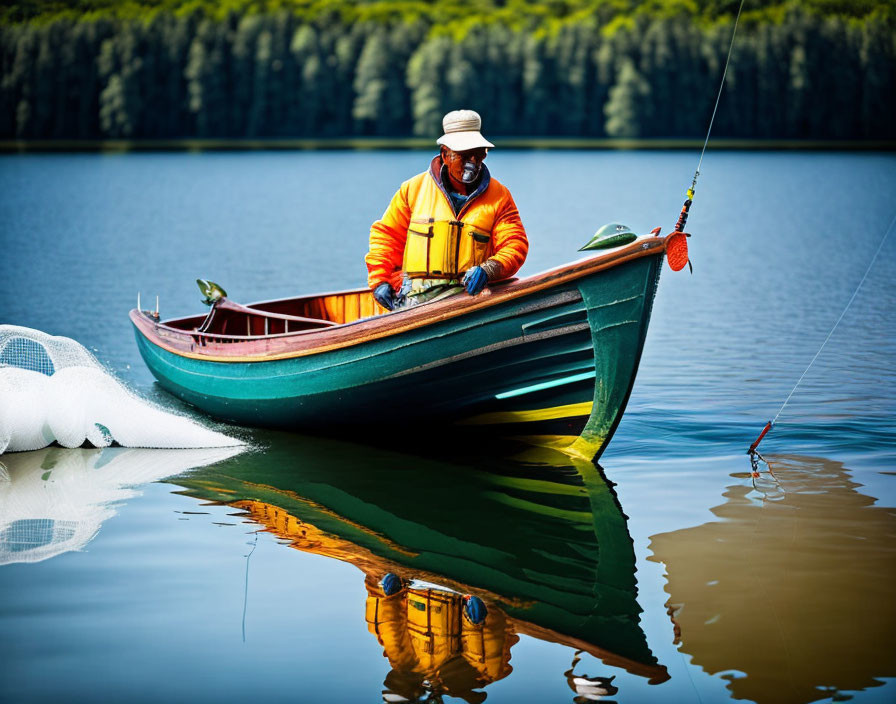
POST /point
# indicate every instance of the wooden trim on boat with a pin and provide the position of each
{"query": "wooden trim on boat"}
(185, 343)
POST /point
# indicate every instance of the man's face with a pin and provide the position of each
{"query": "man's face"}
(466, 166)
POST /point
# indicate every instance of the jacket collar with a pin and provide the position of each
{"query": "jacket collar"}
(435, 170)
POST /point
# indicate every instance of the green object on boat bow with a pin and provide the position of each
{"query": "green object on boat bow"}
(612, 235)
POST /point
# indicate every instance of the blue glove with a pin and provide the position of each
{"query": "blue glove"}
(475, 609)
(475, 280)
(384, 295)
(391, 584)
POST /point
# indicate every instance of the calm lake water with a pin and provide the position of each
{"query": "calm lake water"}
(245, 577)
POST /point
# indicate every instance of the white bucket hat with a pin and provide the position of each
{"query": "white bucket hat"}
(462, 131)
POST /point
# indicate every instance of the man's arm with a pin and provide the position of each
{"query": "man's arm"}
(388, 236)
(510, 243)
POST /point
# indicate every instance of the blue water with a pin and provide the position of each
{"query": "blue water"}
(152, 606)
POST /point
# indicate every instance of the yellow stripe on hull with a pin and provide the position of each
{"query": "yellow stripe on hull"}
(569, 411)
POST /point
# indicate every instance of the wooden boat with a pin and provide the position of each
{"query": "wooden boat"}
(551, 357)
(540, 536)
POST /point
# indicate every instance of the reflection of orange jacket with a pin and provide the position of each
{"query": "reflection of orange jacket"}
(421, 201)
(427, 637)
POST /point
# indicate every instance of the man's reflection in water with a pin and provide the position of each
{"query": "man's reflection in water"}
(438, 642)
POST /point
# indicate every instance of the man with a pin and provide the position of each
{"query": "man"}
(449, 229)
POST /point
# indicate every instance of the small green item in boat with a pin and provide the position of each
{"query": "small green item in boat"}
(212, 291)
(612, 235)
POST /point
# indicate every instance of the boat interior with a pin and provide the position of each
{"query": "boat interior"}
(283, 316)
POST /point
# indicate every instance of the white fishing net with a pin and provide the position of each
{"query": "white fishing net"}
(54, 500)
(53, 389)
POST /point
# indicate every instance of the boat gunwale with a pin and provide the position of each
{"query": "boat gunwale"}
(318, 340)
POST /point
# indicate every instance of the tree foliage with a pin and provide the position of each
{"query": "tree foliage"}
(318, 68)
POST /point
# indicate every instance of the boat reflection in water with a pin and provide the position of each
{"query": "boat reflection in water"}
(54, 500)
(458, 557)
(792, 588)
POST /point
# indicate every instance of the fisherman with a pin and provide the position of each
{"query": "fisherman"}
(449, 229)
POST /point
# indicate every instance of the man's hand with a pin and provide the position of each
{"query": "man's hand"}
(384, 295)
(474, 280)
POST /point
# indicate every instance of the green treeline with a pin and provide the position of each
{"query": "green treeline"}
(818, 69)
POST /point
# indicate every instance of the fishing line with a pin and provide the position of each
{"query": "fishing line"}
(771, 423)
(246, 588)
(719, 94)
(683, 217)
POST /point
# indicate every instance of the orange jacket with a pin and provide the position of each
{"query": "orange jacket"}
(489, 210)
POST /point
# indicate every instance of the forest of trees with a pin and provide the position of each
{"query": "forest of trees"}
(818, 69)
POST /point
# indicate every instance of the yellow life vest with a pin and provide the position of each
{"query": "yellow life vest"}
(442, 244)
(423, 629)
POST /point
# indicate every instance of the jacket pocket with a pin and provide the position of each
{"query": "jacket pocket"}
(416, 251)
(474, 249)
